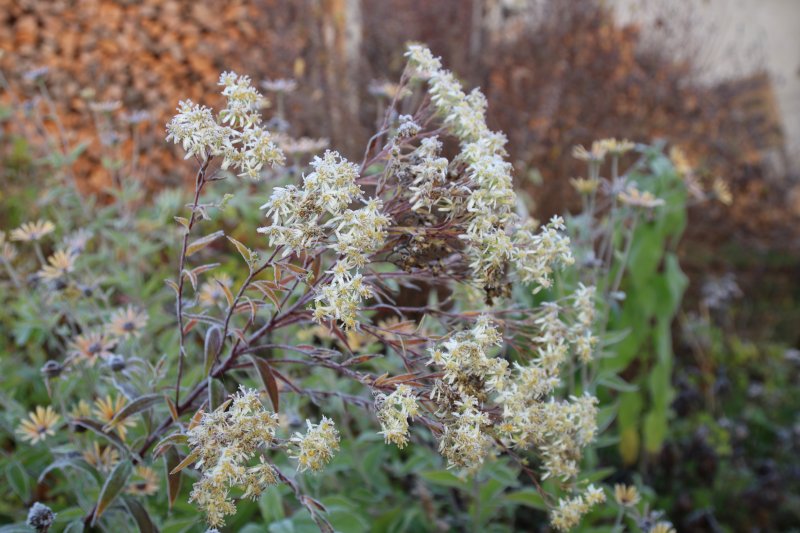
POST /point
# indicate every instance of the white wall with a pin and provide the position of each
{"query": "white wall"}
(733, 37)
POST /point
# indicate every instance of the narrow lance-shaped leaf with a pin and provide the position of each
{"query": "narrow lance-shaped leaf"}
(268, 379)
(112, 488)
(246, 253)
(140, 515)
(212, 345)
(202, 242)
(171, 460)
(187, 461)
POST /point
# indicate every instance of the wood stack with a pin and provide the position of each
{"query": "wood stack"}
(145, 54)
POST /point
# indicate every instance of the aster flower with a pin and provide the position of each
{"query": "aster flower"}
(211, 294)
(127, 323)
(662, 527)
(32, 231)
(103, 458)
(58, 266)
(225, 442)
(144, 482)
(39, 425)
(626, 495)
(107, 408)
(393, 413)
(82, 409)
(316, 447)
(280, 85)
(596, 154)
(91, 346)
(634, 197)
(615, 147)
(569, 511)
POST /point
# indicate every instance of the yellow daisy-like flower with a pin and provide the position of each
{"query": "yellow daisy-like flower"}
(39, 425)
(107, 408)
(144, 482)
(662, 527)
(584, 186)
(102, 458)
(634, 197)
(7, 251)
(59, 265)
(722, 191)
(127, 323)
(33, 231)
(596, 154)
(615, 147)
(626, 495)
(91, 346)
(82, 409)
(211, 293)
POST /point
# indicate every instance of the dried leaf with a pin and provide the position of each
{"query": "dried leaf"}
(246, 253)
(187, 461)
(227, 291)
(268, 379)
(202, 242)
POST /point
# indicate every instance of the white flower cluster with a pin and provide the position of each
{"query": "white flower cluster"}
(465, 363)
(297, 212)
(531, 416)
(243, 144)
(393, 413)
(559, 429)
(465, 442)
(581, 332)
(299, 223)
(360, 233)
(493, 235)
(569, 512)
(536, 253)
(315, 449)
(340, 299)
(225, 442)
(429, 172)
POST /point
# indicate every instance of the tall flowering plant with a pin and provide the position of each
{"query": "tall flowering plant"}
(415, 249)
(340, 247)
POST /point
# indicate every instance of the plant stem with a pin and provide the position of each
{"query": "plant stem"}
(198, 187)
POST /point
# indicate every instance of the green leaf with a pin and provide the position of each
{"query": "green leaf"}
(171, 460)
(18, 480)
(212, 345)
(445, 478)
(529, 497)
(112, 488)
(71, 462)
(216, 392)
(140, 515)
